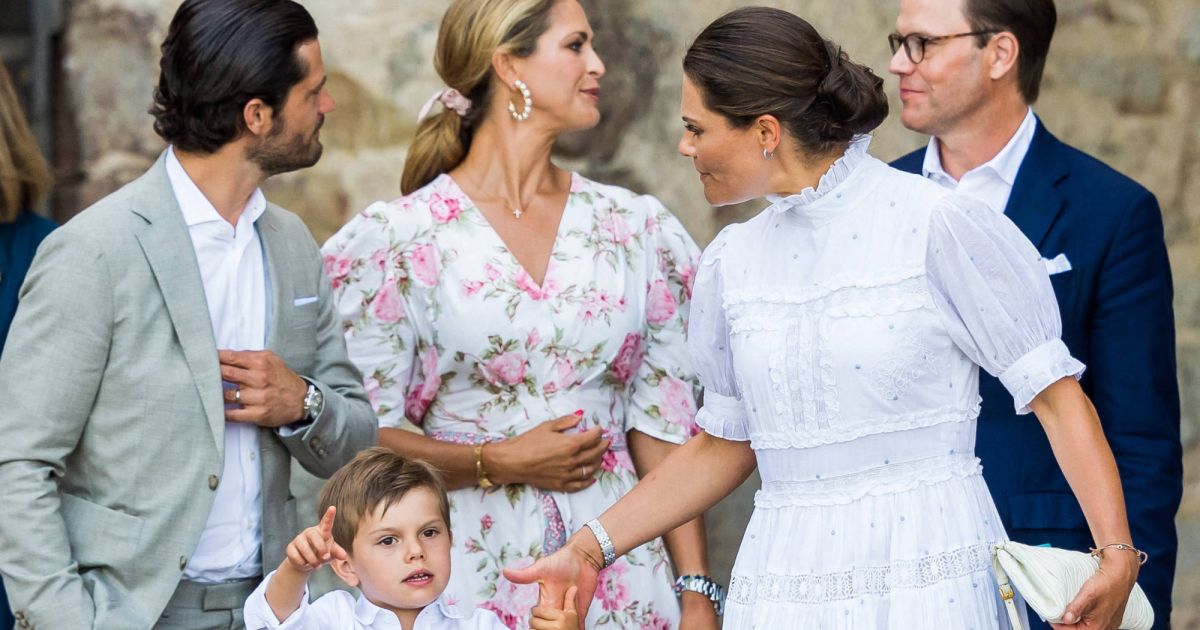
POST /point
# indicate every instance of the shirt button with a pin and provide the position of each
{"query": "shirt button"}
(253, 456)
(213, 480)
(182, 562)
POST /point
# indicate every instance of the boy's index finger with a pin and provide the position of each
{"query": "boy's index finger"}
(326, 524)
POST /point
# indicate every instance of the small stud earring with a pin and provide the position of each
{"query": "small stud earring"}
(767, 154)
(522, 115)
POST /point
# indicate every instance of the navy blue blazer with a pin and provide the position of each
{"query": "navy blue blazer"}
(19, 241)
(1118, 320)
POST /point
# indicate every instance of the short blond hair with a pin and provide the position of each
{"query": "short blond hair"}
(24, 176)
(376, 476)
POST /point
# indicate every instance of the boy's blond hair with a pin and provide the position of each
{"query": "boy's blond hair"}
(375, 476)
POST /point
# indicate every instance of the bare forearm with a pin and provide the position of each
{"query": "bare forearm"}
(285, 590)
(679, 489)
(455, 461)
(687, 543)
(1087, 462)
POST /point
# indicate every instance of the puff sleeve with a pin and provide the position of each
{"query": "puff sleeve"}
(722, 415)
(991, 287)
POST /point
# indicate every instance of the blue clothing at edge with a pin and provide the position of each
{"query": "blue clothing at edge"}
(1118, 319)
(19, 241)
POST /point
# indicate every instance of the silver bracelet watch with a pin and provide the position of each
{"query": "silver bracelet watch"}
(705, 586)
(606, 547)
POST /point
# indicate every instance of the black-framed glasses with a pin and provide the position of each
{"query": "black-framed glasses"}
(914, 44)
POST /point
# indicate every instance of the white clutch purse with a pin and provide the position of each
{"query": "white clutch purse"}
(1049, 578)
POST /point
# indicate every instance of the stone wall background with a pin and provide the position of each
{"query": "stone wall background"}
(1123, 83)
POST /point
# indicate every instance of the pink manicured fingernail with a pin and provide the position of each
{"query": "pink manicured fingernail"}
(579, 412)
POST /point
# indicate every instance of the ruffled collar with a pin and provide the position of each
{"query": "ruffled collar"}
(838, 173)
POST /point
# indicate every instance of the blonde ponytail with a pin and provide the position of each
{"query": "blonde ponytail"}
(471, 31)
(439, 146)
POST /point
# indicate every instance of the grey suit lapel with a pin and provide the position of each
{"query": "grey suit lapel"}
(168, 249)
(277, 260)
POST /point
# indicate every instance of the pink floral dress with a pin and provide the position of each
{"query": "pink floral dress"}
(453, 335)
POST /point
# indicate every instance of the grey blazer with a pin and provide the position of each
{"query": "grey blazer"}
(111, 416)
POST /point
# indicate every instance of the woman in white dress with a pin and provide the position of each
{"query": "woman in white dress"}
(530, 322)
(838, 335)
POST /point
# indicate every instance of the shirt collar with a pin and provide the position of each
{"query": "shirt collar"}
(366, 612)
(1005, 164)
(195, 206)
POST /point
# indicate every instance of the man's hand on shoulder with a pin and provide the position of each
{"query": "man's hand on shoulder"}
(268, 393)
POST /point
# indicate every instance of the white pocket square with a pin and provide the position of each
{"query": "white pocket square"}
(1058, 264)
(304, 300)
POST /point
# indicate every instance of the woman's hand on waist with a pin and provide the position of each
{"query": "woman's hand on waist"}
(547, 457)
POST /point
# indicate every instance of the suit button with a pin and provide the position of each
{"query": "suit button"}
(182, 562)
(213, 480)
(316, 442)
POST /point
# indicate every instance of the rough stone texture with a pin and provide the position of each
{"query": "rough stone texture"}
(1123, 83)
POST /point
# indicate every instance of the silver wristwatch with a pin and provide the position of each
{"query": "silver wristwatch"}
(314, 402)
(607, 551)
(705, 586)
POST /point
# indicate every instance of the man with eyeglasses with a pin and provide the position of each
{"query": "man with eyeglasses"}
(969, 73)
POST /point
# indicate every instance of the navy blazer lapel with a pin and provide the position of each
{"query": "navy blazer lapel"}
(172, 258)
(1035, 201)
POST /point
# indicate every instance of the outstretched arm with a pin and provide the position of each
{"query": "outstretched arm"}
(688, 482)
(686, 544)
(1087, 462)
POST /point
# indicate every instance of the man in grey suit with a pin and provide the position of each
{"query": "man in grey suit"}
(175, 347)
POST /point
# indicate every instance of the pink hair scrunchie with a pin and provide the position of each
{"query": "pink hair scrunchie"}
(451, 99)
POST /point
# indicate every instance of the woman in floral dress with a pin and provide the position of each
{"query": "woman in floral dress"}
(839, 336)
(530, 322)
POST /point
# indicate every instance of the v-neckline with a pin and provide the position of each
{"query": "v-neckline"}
(558, 231)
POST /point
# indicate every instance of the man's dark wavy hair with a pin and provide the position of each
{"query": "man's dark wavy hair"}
(219, 55)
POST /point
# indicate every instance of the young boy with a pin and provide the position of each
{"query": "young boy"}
(386, 531)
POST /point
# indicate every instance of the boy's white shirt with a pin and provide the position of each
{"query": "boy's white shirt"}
(339, 609)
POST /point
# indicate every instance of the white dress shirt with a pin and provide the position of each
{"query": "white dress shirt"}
(341, 610)
(992, 181)
(235, 286)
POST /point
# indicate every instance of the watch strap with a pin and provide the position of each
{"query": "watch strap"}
(703, 585)
(606, 547)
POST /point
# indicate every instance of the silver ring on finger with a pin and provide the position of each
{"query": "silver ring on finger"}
(237, 395)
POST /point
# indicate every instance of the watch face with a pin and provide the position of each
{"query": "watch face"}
(312, 400)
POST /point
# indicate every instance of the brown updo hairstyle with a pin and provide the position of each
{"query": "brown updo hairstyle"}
(757, 60)
(471, 31)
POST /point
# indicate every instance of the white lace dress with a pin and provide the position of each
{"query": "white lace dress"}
(840, 332)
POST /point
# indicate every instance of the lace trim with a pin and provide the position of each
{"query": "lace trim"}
(828, 405)
(880, 481)
(881, 580)
(838, 172)
(849, 302)
(862, 427)
(911, 279)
